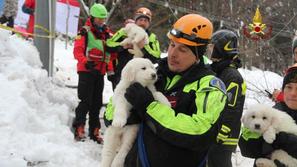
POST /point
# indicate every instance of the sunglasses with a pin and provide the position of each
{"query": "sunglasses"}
(178, 34)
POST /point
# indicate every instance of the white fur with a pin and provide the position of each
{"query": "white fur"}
(119, 137)
(281, 156)
(268, 121)
(135, 34)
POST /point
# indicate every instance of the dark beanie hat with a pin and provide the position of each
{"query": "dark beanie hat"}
(198, 50)
(290, 77)
(294, 43)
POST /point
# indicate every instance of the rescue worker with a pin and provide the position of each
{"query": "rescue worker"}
(90, 52)
(253, 145)
(278, 95)
(225, 60)
(143, 18)
(179, 135)
(9, 12)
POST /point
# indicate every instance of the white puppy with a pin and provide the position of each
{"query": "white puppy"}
(135, 34)
(268, 121)
(118, 138)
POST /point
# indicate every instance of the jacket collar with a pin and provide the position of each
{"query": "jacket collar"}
(194, 73)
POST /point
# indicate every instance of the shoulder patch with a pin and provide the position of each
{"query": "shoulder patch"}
(216, 82)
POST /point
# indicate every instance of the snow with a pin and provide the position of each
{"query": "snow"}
(36, 111)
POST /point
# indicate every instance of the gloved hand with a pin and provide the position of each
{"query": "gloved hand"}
(267, 148)
(90, 65)
(281, 139)
(139, 97)
(133, 118)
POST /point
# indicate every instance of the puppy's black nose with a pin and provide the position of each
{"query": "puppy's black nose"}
(257, 126)
(154, 76)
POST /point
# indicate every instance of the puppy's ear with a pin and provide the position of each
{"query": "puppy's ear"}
(128, 73)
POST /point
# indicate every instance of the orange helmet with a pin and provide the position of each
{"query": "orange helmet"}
(143, 12)
(192, 30)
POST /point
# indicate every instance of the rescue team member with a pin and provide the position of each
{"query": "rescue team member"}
(225, 64)
(142, 18)
(179, 135)
(90, 52)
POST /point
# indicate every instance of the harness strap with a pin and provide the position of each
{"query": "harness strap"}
(203, 163)
(141, 148)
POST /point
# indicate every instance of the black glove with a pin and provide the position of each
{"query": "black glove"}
(267, 148)
(139, 97)
(133, 118)
(278, 163)
(280, 140)
(90, 65)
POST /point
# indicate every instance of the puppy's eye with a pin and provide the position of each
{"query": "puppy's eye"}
(143, 68)
(264, 118)
(253, 116)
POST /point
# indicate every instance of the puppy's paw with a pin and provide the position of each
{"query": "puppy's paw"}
(263, 162)
(268, 137)
(119, 122)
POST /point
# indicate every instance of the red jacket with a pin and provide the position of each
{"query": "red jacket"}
(80, 46)
(31, 5)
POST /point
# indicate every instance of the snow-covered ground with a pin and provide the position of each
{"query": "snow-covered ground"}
(36, 111)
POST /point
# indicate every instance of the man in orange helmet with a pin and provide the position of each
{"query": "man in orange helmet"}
(142, 18)
(179, 135)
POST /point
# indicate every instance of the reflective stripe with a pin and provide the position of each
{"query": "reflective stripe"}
(225, 129)
(243, 87)
(155, 50)
(113, 41)
(171, 83)
(231, 141)
(222, 137)
(232, 92)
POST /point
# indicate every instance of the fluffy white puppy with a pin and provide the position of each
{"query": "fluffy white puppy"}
(118, 138)
(135, 34)
(268, 121)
